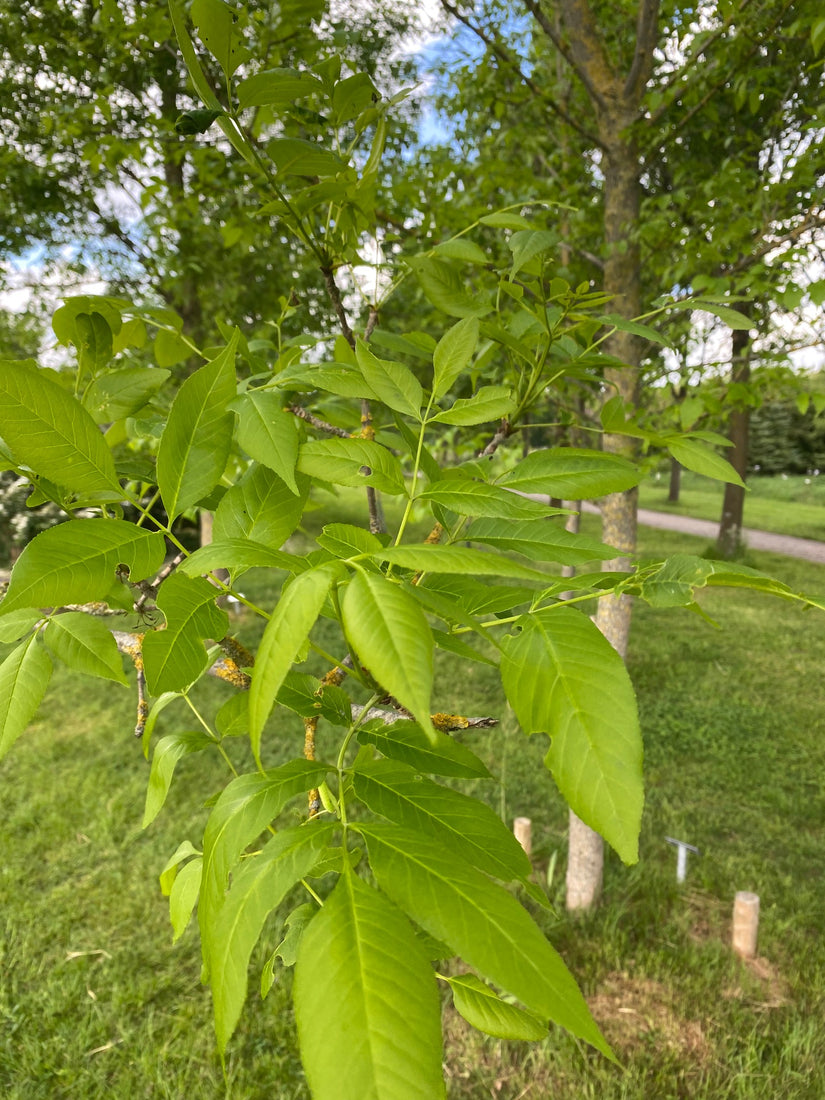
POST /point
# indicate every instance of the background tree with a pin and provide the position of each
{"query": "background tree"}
(101, 179)
(638, 100)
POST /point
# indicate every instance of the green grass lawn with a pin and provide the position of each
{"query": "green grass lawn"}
(96, 1002)
(791, 505)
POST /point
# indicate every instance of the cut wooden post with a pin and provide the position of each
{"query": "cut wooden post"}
(523, 830)
(585, 866)
(745, 924)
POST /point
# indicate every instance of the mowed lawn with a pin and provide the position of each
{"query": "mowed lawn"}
(95, 1000)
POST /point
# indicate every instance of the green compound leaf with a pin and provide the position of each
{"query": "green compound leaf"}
(276, 88)
(485, 1010)
(294, 925)
(311, 698)
(76, 562)
(197, 438)
(85, 644)
(342, 379)
(476, 498)
(731, 317)
(238, 555)
(168, 752)
(296, 156)
(454, 351)
(123, 392)
(216, 24)
(17, 624)
(93, 341)
(572, 474)
(24, 677)
(525, 244)
(391, 635)
(175, 657)
(393, 384)
(257, 888)
(407, 742)
(245, 808)
(352, 462)
(183, 896)
(462, 824)
(346, 541)
(50, 432)
(351, 96)
(702, 459)
(539, 540)
(260, 507)
(366, 1002)
(480, 921)
(562, 677)
(490, 403)
(459, 248)
(446, 287)
(457, 559)
(170, 871)
(267, 433)
(285, 634)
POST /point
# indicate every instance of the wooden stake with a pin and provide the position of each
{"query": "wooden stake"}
(745, 924)
(523, 830)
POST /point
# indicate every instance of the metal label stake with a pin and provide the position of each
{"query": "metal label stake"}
(682, 849)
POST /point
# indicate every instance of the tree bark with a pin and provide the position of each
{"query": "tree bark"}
(622, 280)
(675, 485)
(616, 99)
(729, 539)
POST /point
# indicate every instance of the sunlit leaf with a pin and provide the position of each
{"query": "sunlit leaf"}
(366, 1003)
(490, 403)
(352, 462)
(195, 443)
(456, 559)
(285, 634)
(51, 432)
(539, 540)
(392, 383)
(463, 824)
(183, 896)
(453, 353)
(480, 921)
(702, 459)
(244, 809)
(85, 644)
(24, 677)
(267, 433)
(485, 1010)
(476, 498)
(168, 752)
(562, 677)
(176, 656)
(260, 507)
(570, 473)
(257, 888)
(439, 755)
(391, 635)
(77, 561)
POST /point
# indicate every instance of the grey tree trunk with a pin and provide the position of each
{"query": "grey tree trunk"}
(675, 486)
(729, 539)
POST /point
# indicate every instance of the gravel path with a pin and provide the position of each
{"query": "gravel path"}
(808, 549)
